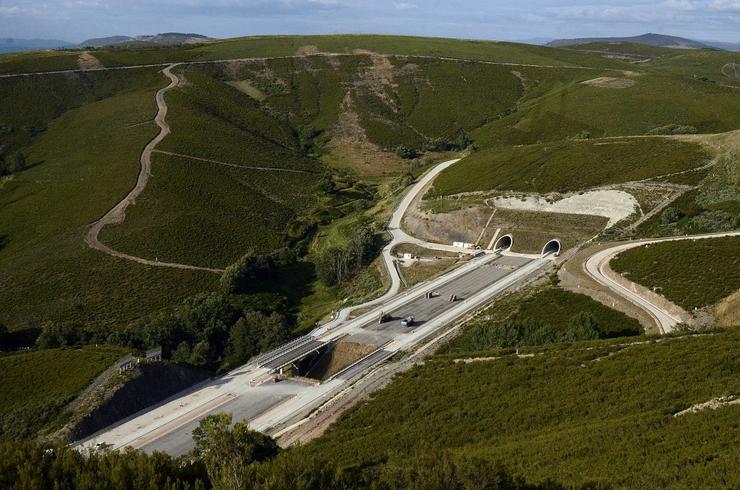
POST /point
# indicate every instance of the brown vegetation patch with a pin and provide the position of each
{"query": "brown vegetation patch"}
(728, 311)
(350, 147)
(307, 50)
(89, 62)
(245, 86)
(610, 82)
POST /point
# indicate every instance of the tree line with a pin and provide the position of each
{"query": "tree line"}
(236, 458)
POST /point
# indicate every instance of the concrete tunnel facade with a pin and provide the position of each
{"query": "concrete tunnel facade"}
(504, 243)
(551, 247)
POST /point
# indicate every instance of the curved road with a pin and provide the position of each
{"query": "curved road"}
(597, 263)
(399, 236)
(118, 212)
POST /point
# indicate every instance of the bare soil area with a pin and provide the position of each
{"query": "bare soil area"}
(89, 62)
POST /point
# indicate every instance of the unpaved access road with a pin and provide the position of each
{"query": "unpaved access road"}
(117, 213)
(595, 266)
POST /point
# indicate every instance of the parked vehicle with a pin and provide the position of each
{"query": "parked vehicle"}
(408, 321)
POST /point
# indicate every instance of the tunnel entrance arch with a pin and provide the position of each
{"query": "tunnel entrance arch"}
(551, 247)
(504, 243)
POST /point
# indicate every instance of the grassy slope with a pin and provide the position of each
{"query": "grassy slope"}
(568, 165)
(684, 62)
(289, 45)
(691, 273)
(36, 385)
(206, 214)
(90, 160)
(552, 306)
(567, 108)
(38, 61)
(559, 416)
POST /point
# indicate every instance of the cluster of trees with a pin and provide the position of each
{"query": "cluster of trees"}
(459, 142)
(336, 265)
(251, 270)
(530, 332)
(237, 458)
(210, 330)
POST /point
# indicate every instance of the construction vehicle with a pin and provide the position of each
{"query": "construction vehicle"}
(383, 317)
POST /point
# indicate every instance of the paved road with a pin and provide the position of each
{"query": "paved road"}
(269, 406)
(596, 264)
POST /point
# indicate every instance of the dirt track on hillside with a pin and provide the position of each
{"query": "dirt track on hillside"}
(117, 213)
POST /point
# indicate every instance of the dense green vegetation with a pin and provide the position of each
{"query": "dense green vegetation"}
(266, 46)
(567, 108)
(35, 386)
(561, 414)
(542, 317)
(569, 165)
(691, 273)
(238, 458)
(80, 166)
(38, 61)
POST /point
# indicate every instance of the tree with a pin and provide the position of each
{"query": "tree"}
(19, 163)
(671, 215)
(3, 334)
(241, 275)
(581, 326)
(228, 454)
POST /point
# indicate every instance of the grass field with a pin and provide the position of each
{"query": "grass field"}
(85, 161)
(553, 306)
(561, 415)
(35, 386)
(569, 108)
(38, 61)
(43, 98)
(207, 214)
(568, 165)
(270, 46)
(692, 274)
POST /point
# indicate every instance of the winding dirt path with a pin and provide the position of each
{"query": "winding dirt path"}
(117, 213)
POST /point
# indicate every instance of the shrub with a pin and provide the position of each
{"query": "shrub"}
(673, 129)
(406, 153)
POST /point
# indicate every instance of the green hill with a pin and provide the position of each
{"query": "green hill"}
(600, 414)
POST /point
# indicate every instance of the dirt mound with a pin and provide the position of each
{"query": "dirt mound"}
(341, 355)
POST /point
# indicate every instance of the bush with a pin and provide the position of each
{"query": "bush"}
(55, 335)
(406, 153)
